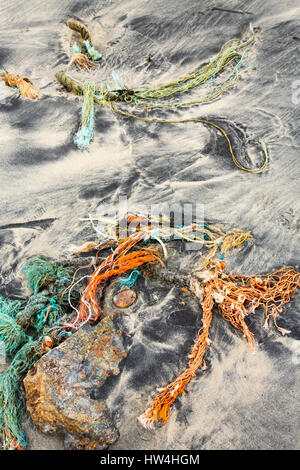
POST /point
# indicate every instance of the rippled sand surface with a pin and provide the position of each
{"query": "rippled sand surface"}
(243, 400)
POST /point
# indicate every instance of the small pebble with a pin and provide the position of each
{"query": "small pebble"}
(125, 298)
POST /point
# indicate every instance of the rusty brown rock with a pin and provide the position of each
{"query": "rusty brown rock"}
(58, 387)
(124, 298)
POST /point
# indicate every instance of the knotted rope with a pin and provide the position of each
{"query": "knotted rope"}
(24, 85)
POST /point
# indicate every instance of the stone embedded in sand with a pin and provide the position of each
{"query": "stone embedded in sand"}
(58, 387)
(125, 298)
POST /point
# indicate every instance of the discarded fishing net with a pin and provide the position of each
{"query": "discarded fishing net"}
(84, 54)
(23, 84)
(231, 57)
(60, 305)
(235, 297)
(29, 328)
(23, 326)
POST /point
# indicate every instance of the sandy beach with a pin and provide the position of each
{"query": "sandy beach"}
(245, 399)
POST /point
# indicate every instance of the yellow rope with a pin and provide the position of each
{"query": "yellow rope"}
(203, 121)
(244, 239)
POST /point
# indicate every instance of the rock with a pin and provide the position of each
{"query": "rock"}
(58, 388)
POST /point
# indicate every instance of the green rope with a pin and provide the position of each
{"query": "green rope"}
(42, 273)
(11, 399)
(232, 54)
(229, 54)
(11, 334)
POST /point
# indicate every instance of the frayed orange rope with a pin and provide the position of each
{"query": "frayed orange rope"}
(160, 408)
(243, 295)
(236, 297)
(27, 89)
(116, 264)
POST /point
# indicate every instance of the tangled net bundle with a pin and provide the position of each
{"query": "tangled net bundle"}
(29, 328)
(49, 316)
(23, 330)
(235, 296)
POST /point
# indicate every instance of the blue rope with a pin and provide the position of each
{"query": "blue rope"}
(222, 254)
(76, 48)
(92, 52)
(130, 280)
(85, 134)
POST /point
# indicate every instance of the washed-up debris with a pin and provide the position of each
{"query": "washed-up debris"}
(235, 297)
(22, 84)
(62, 304)
(23, 327)
(231, 56)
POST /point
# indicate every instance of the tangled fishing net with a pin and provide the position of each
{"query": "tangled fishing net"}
(23, 326)
(235, 297)
(60, 304)
(31, 327)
